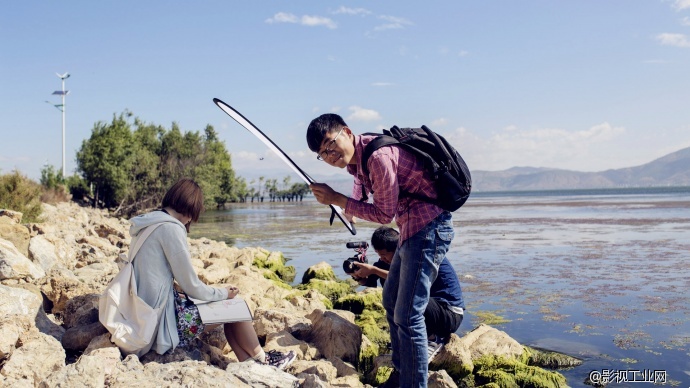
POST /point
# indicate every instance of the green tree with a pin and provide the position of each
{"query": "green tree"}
(132, 170)
(105, 159)
(50, 177)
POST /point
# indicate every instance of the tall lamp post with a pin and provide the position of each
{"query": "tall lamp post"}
(62, 93)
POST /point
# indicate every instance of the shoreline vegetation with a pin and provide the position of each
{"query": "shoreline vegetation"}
(54, 268)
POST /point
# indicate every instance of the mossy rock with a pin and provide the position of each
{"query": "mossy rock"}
(298, 293)
(275, 279)
(549, 359)
(331, 289)
(321, 271)
(376, 330)
(367, 352)
(275, 262)
(509, 373)
(371, 299)
(382, 374)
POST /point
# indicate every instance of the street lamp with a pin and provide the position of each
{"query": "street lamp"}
(61, 107)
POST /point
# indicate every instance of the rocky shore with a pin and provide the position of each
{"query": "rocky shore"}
(52, 273)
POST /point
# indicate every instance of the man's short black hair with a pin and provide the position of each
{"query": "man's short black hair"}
(385, 238)
(320, 126)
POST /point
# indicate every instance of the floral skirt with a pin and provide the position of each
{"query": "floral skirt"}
(189, 325)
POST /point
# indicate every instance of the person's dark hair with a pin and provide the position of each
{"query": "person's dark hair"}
(385, 238)
(186, 198)
(320, 126)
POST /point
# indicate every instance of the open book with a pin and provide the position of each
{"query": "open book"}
(223, 311)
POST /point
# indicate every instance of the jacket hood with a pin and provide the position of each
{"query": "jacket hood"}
(148, 219)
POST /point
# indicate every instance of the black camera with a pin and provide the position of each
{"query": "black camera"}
(360, 257)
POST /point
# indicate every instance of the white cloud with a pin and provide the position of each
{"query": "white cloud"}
(681, 4)
(362, 114)
(382, 84)
(245, 156)
(584, 150)
(305, 20)
(677, 40)
(444, 50)
(656, 61)
(352, 11)
(463, 53)
(282, 17)
(313, 21)
(685, 21)
(439, 122)
(394, 22)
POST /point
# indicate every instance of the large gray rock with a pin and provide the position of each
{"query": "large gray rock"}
(256, 375)
(215, 273)
(18, 302)
(81, 310)
(79, 337)
(88, 371)
(62, 285)
(18, 235)
(9, 336)
(440, 379)
(38, 357)
(321, 368)
(131, 373)
(335, 336)
(486, 340)
(12, 217)
(276, 320)
(15, 265)
(42, 252)
(18, 310)
(284, 342)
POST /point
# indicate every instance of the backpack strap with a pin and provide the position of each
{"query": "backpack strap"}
(140, 241)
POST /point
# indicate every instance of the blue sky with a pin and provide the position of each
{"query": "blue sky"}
(582, 85)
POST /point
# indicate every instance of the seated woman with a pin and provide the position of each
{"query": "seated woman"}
(164, 258)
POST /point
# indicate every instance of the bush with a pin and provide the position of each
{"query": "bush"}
(21, 194)
(79, 188)
(55, 195)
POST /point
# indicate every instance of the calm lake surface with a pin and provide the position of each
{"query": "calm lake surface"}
(603, 275)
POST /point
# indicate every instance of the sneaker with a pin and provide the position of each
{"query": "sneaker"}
(393, 380)
(433, 348)
(280, 360)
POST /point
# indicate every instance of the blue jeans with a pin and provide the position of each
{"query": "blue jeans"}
(406, 295)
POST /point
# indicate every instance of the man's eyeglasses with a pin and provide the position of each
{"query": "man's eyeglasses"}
(329, 148)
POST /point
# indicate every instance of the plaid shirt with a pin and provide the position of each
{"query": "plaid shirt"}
(391, 170)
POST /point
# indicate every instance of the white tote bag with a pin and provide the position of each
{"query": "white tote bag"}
(132, 323)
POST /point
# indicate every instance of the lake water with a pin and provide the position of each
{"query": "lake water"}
(603, 275)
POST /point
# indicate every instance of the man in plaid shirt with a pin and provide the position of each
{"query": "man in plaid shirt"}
(426, 231)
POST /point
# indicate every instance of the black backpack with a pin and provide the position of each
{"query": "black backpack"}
(443, 163)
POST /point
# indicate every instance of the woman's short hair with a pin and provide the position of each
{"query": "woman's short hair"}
(186, 198)
(385, 238)
(320, 126)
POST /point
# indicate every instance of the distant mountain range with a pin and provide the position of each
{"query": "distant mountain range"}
(670, 170)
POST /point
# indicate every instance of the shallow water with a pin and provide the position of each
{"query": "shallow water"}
(604, 276)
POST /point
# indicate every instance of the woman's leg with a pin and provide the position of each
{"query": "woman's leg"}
(242, 339)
